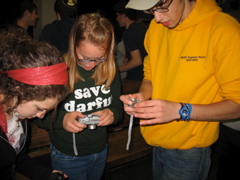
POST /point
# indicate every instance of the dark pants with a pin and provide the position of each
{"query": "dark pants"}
(226, 154)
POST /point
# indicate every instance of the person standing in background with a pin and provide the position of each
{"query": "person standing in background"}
(26, 16)
(119, 51)
(133, 38)
(57, 33)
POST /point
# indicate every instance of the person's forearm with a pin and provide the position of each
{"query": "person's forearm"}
(146, 89)
(130, 65)
(135, 61)
(225, 110)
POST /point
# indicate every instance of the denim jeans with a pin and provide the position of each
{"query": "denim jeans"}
(191, 164)
(89, 167)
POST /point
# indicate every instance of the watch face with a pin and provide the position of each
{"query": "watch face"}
(185, 112)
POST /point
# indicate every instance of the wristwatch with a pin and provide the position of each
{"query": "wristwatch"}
(185, 111)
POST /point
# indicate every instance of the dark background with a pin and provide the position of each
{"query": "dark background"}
(7, 8)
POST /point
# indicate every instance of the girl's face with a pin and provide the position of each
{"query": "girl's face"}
(32, 109)
(89, 55)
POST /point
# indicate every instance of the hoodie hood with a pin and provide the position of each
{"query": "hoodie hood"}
(202, 10)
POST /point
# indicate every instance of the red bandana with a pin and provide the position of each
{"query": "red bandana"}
(44, 75)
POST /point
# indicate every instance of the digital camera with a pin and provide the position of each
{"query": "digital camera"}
(90, 120)
(134, 101)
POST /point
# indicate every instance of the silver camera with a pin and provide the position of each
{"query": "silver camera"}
(134, 101)
(90, 120)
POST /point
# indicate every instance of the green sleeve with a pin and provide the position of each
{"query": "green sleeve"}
(51, 120)
(116, 107)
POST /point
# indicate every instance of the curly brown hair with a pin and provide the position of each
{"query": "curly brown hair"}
(19, 51)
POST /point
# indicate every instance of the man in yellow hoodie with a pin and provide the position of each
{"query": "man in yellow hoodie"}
(191, 82)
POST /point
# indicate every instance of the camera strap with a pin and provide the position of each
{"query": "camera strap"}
(129, 132)
(75, 145)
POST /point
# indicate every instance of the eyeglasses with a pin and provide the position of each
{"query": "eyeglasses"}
(158, 8)
(88, 60)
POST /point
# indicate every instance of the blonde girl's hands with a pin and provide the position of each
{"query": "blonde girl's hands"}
(71, 124)
(106, 117)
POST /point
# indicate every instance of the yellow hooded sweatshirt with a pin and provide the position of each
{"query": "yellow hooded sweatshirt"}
(197, 62)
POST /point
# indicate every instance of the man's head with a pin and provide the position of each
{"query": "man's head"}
(26, 14)
(169, 13)
(66, 8)
(122, 13)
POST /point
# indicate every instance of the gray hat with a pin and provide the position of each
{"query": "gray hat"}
(141, 4)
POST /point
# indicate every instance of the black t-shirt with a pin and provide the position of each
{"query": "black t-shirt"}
(57, 34)
(133, 38)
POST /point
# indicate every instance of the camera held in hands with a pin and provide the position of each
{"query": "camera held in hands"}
(134, 101)
(90, 120)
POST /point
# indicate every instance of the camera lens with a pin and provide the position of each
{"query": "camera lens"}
(92, 126)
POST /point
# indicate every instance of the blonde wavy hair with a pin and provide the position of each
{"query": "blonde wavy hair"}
(95, 29)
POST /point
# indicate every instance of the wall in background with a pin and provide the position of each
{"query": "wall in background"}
(46, 15)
